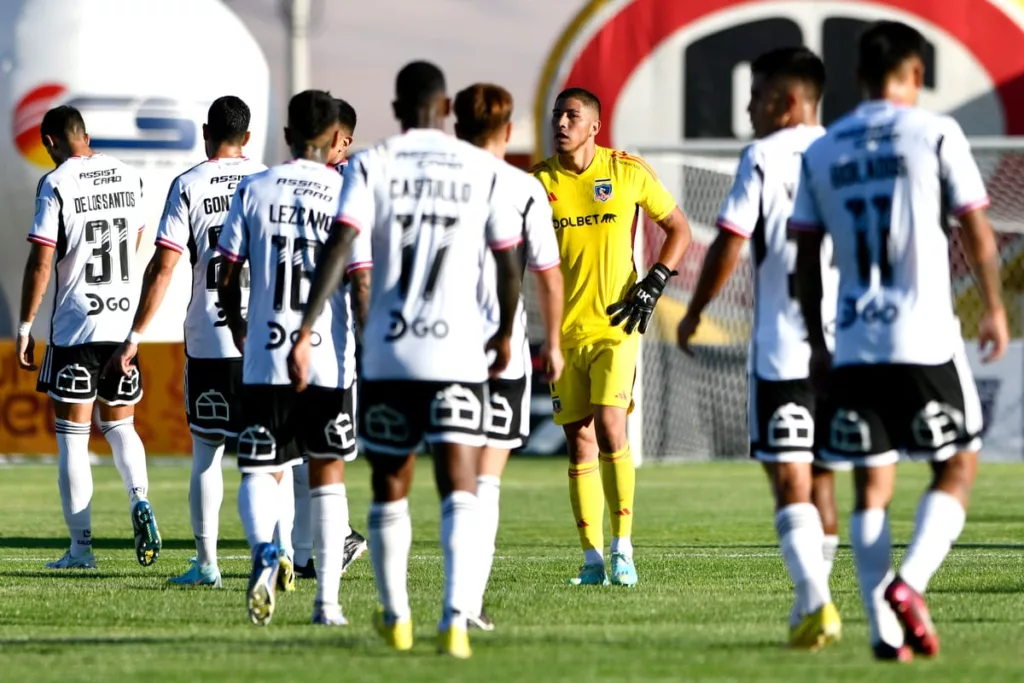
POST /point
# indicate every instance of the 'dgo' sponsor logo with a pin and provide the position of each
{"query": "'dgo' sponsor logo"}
(130, 125)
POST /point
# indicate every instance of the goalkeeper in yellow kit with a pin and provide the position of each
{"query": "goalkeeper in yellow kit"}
(594, 194)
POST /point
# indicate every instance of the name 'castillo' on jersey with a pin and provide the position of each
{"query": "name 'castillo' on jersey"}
(89, 209)
(594, 215)
(882, 182)
(432, 204)
(758, 207)
(279, 221)
(539, 253)
(194, 215)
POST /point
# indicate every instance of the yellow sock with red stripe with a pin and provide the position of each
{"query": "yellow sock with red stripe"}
(618, 474)
(585, 494)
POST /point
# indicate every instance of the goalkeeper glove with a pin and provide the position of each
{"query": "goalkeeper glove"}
(638, 306)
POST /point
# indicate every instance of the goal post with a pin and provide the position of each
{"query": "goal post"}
(694, 408)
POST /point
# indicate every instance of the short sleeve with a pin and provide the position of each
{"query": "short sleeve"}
(538, 230)
(504, 228)
(173, 231)
(46, 223)
(964, 185)
(234, 236)
(656, 201)
(362, 253)
(357, 206)
(805, 216)
(742, 206)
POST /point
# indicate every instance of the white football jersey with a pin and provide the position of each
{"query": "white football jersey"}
(882, 182)
(278, 222)
(194, 215)
(539, 253)
(89, 209)
(430, 203)
(758, 207)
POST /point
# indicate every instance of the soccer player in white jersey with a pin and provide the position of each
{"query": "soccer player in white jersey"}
(431, 205)
(196, 210)
(483, 117)
(784, 96)
(279, 221)
(89, 217)
(881, 184)
(358, 277)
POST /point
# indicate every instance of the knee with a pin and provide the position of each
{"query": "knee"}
(581, 443)
(610, 430)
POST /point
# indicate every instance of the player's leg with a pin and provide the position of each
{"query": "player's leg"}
(570, 400)
(302, 532)
(506, 424)
(265, 450)
(823, 496)
(213, 410)
(782, 439)
(946, 423)
(390, 430)
(328, 435)
(855, 416)
(612, 373)
(285, 527)
(455, 434)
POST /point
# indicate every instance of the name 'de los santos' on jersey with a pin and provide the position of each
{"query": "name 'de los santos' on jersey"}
(194, 215)
(89, 209)
(882, 182)
(278, 222)
(539, 253)
(758, 207)
(432, 204)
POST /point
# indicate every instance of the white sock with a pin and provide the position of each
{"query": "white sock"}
(129, 457)
(459, 534)
(74, 481)
(286, 513)
(329, 506)
(205, 496)
(488, 495)
(258, 506)
(390, 530)
(302, 532)
(593, 556)
(940, 520)
(800, 538)
(829, 548)
(622, 544)
(872, 556)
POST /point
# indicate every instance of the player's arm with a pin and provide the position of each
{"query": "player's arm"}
(360, 270)
(43, 238)
(356, 213)
(234, 247)
(171, 235)
(638, 306)
(736, 223)
(809, 228)
(968, 199)
(543, 260)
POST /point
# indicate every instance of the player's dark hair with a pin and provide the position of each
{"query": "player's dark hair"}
(418, 83)
(310, 114)
(346, 115)
(587, 98)
(480, 110)
(793, 63)
(884, 46)
(62, 123)
(228, 119)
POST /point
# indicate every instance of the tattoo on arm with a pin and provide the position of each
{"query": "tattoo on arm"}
(330, 271)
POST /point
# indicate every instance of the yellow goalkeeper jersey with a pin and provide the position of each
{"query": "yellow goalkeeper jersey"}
(595, 215)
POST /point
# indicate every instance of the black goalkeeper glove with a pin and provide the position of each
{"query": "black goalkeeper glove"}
(638, 306)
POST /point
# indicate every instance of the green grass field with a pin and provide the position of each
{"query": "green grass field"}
(711, 605)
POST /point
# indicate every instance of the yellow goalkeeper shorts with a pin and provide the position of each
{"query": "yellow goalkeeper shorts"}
(598, 374)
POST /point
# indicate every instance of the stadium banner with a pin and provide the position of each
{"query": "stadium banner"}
(26, 417)
(1001, 388)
